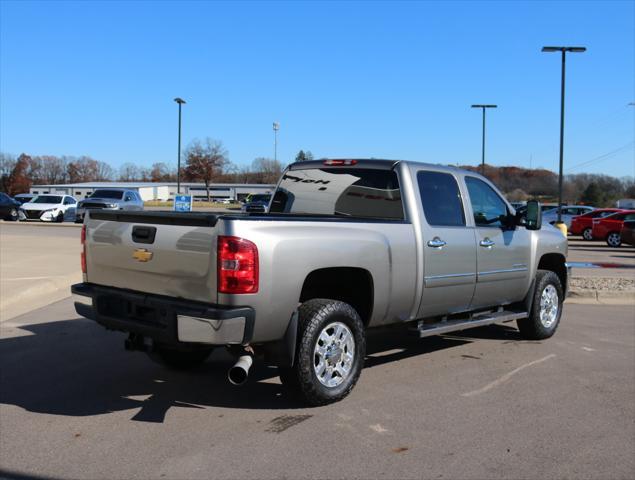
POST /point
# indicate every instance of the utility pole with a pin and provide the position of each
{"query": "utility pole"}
(564, 51)
(483, 107)
(180, 101)
(276, 127)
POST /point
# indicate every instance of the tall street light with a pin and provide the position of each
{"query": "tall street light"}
(564, 51)
(180, 101)
(483, 146)
(276, 127)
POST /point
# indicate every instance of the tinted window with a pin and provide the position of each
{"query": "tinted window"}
(116, 194)
(69, 201)
(441, 199)
(351, 192)
(487, 205)
(630, 216)
(48, 199)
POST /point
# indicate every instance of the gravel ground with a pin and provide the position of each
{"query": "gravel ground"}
(602, 284)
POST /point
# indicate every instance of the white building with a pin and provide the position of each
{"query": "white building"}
(158, 190)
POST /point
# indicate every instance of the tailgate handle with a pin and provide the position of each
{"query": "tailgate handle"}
(143, 234)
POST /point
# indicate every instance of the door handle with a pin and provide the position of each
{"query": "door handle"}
(436, 242)
(487, 243)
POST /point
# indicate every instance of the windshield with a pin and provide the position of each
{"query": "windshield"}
(47, 199)
(116, 194)
(353, 192)
(260, 198)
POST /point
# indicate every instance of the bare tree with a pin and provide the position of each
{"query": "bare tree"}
(205, 161)
(129, 172)
(7, 164)
(52, 169)
(266, 170)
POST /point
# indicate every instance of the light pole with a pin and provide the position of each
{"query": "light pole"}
(180, 101)
(483, 107)
(276, 127)
(564, 51)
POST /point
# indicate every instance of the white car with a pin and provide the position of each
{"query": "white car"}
(568, 212)
(50, 208)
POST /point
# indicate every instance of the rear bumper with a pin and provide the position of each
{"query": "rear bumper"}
(166, 320)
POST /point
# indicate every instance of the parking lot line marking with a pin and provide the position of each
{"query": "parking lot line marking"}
(506, 377)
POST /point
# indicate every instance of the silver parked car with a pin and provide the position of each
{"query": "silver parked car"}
(568, 212)
(109, 199)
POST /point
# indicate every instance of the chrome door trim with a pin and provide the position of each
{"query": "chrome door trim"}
(506, 270)
(451, 279)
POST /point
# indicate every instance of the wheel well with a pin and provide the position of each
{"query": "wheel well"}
(556, 263)
(347, 284)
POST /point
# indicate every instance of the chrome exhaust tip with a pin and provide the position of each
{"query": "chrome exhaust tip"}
(237, 375)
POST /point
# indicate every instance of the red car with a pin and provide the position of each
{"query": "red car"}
(609, 228)
(583, 224)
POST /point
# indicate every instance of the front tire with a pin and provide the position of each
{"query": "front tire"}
(546, 309)
(60, 217)
(330, 351)
(587, 234)
(614, 239)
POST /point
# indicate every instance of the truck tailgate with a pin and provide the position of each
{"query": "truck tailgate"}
(163, 253)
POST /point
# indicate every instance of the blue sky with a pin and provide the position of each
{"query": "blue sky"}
(352, 79)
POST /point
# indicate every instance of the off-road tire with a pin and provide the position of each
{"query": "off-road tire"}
(313, 316)
(180, 359)
(532, 328)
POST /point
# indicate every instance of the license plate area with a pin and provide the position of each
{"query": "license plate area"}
(137, 312)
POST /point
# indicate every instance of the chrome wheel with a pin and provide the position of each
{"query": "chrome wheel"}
(549, 305)
(334, 354)
(587, 234)
(614, 239)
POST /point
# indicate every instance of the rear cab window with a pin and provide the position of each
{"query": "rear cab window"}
(441, 199)
(340, 191)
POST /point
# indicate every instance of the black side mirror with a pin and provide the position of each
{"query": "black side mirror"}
(533, 215)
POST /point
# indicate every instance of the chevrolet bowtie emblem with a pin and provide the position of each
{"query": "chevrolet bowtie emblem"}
(142, 255)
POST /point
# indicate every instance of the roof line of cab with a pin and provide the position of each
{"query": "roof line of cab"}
(368, 163)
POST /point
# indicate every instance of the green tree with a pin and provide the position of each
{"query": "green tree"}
(592, 195)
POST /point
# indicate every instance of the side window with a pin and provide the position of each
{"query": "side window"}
(441, 199)
(128, 197)
(630, 216)
(488, 207)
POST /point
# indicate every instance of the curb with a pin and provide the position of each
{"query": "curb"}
(38, 295)
(624, 297)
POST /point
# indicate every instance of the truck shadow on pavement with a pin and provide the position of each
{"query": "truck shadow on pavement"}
(76, 368)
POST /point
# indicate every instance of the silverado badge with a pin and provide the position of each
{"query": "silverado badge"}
(142, 255)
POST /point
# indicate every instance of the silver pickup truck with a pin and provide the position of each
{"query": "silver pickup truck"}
(346, 245)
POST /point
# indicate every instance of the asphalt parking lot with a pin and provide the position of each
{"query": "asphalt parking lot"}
(483, 404)
(480, 404)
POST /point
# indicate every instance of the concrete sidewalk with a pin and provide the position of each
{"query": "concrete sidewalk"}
(37, 266)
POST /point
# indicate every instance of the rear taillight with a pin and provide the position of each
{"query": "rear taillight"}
(83, 254)
(237, 265)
